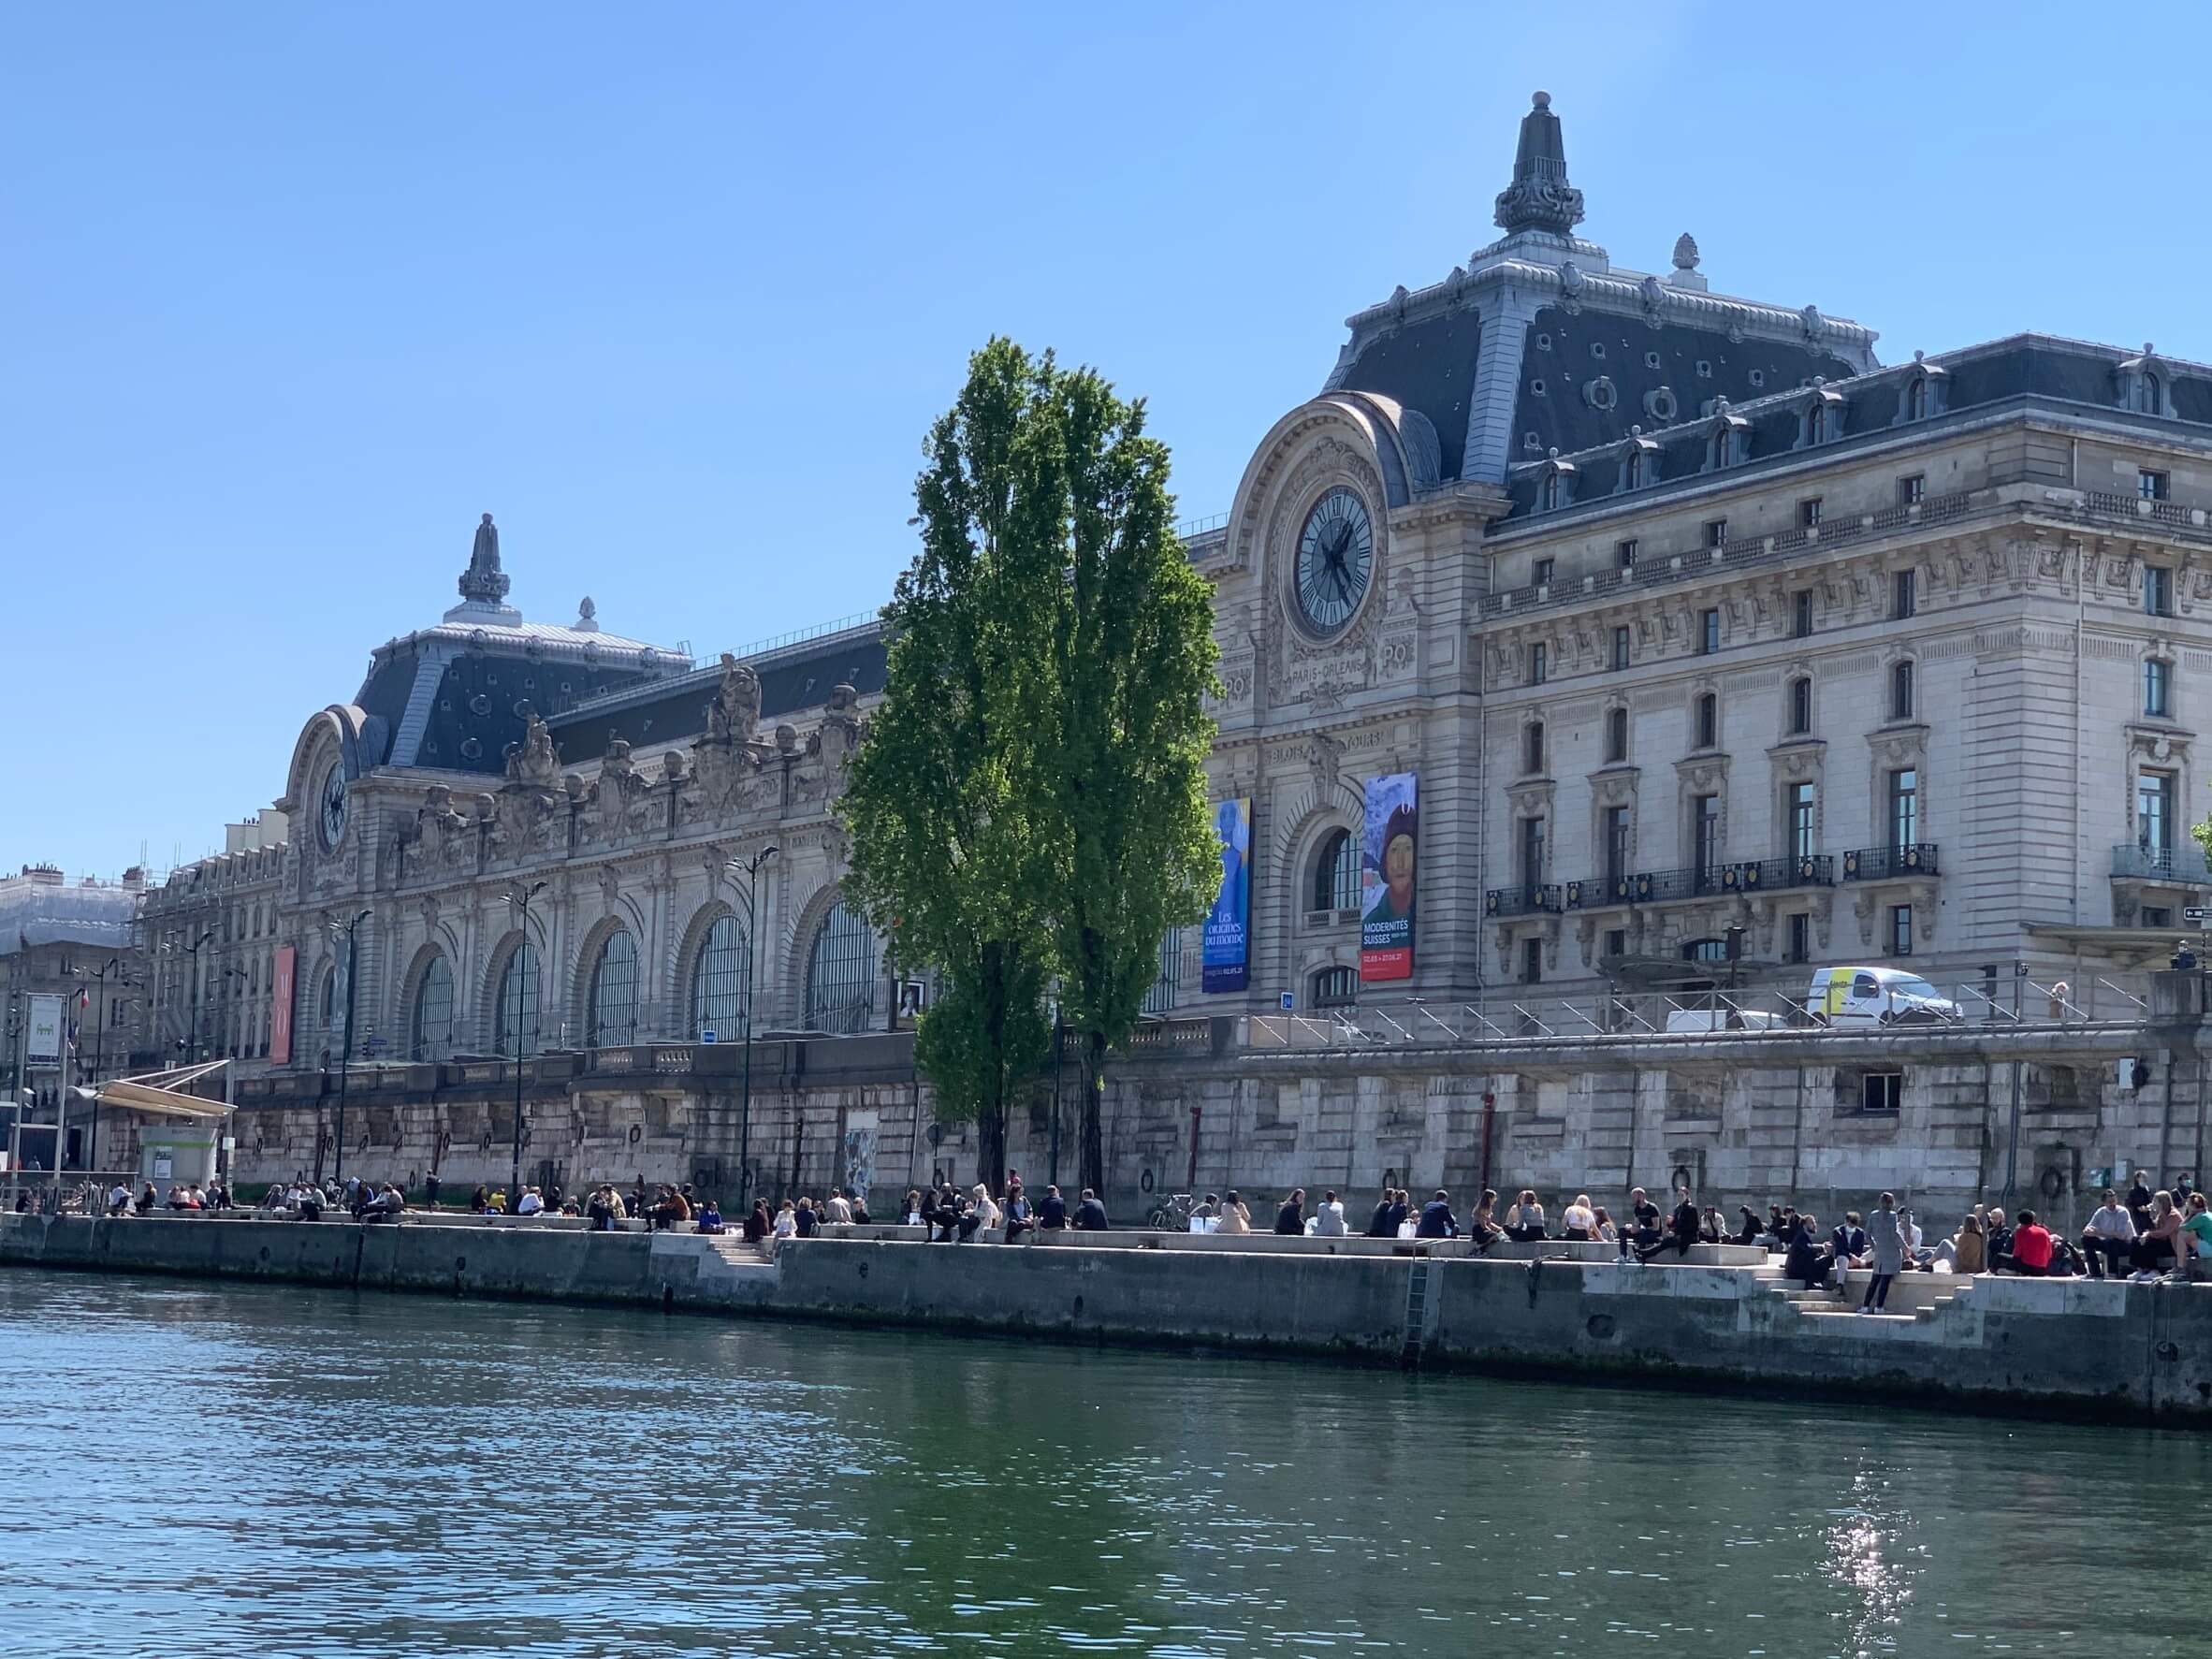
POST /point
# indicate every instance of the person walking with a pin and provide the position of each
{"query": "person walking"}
(1290, 1218)
(1885, 1248)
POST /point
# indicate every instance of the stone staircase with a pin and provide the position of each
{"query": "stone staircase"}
(713, 1261)
(1914, 1299)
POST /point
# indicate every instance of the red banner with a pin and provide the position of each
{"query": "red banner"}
(280, 1024)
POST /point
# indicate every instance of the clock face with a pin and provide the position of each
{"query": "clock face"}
(333, 793)
(1336, 560)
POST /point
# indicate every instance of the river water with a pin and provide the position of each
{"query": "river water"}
(197, 1469)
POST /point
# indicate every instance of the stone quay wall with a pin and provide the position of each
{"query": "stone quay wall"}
(2095, 1348)
(1206, 1105)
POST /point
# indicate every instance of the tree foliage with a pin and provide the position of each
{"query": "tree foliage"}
(1031, 797)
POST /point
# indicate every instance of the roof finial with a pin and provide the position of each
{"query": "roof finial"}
(484, 581)
(1539, 198)
(1685, 252)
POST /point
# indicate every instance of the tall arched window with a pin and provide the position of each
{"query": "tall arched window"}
(1916, 397)
(1816, 423)
(1901, 692)
(613, 1014)
(430, 1021)
(1336, 873)
(1722, 451)
(840, 973)
(518, 1004)
(1800, 706)
(2146, 392)
(718, 978)
(1632, 470)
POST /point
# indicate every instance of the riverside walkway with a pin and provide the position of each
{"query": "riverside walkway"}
(1725, 1318)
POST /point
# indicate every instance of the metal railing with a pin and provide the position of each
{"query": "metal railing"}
(1883, 863)
(1529, 899)
(2162, 863)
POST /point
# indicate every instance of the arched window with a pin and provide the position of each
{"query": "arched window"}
(1816, 422)
(612, 1018)
(720, 977)
(329, 997)
(1532, 748)
(1336, 873)
(1800, 706)
(430, 1020)
(1548, 494)
(840, 974)
(1916, 397)
(1616, 736)
(1337, 987)
(1722, 451)
(1901, 692)
(1706, 950)
(2146, 392)
(1632, 470)
(1708, 720)
(518, 1006)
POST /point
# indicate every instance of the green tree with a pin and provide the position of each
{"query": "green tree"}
(1124, 777)
(939, 798)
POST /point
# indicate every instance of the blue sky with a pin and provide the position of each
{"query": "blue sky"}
(293, 293)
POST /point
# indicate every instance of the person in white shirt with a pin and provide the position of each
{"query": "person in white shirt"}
(787, 1221)
(533, 1202)
(1580, 1220)
(2110, 1236)
(1329, 1218)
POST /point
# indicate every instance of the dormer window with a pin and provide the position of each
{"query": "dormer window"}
(1922, 395)
(1724, 446)
(1916, 397)
(1555, 486)
(2144, 383)
(1816, 423)
(1730, 438)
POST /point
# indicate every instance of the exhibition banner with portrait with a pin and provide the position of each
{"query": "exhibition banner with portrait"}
(1226, 964)
(1389, 852)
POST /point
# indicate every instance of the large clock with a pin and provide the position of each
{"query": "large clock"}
(333, 803)
(1336, 560)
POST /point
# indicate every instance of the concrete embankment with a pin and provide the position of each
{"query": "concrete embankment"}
(1996, 1343)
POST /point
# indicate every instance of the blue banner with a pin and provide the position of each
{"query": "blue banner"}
(1228, 953)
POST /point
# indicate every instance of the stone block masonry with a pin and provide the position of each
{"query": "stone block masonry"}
(2099, 1350)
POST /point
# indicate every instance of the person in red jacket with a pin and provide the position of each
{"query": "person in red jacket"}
(2031, 1247)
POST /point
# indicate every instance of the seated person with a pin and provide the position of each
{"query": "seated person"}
(2031, 1247)
(1524, 1221)
(1808, 1264)
(2109, 1236)
(710, 1218)
(1848, 1242)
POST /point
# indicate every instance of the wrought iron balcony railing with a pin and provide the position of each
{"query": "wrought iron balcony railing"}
(1884, 864)
(1529, 899)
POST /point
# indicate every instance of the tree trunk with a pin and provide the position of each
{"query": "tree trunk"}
(990, 1112)
(1093, 1155)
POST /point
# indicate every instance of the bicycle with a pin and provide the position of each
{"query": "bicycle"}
(1174, 1213)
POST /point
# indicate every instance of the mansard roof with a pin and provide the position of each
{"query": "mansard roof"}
(2021, 367)
(1538, 342)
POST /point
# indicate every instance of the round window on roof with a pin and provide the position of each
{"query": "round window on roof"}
(1758, 377)
(1543, 343)
(1535, 388)
(1704, 369)
(1597, 350)
(1651, 359)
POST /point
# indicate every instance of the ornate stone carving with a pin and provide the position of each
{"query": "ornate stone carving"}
(534, 761)
(735, 710)
(1324, 756)
(483, 582)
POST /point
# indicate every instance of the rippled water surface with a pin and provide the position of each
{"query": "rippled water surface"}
(193, 1469)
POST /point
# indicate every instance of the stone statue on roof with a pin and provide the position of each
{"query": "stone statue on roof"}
(737, 706)
(484, 580)
(533, 761)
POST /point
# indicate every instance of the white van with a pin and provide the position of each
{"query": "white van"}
(1861, 997)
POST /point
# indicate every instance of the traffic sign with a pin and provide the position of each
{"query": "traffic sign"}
(706, 1035)
(1290, 1001)
(2196, 913)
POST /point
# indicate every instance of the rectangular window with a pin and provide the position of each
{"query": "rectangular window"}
(1809, 512)
(2160, 916)
(1531, 961)
(1898, 938)
(1616, 736)
(2150, 486)
(2154, 814)
(1544, 570)
(1706, 821)
(1801, 613)
(1716, 532)
(1532, 748)
(1708, 633)
(1620, 649)
(1904, 595)
(1800, 706)
(1799, 947)
(1804, 807)
(2157, 590)
(1882, 1091)
(1625, 552)
(1617, 846)
(1904, 808)
(1617, 942)
(2158, 688)
(1709, 722)
(1538, 663)
(1532, 855)
(1912, 492)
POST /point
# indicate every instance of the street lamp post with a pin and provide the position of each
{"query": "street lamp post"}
(751, 867)
(100, 1052)
(192, 1018)
(346, 1056)
(520, 899)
